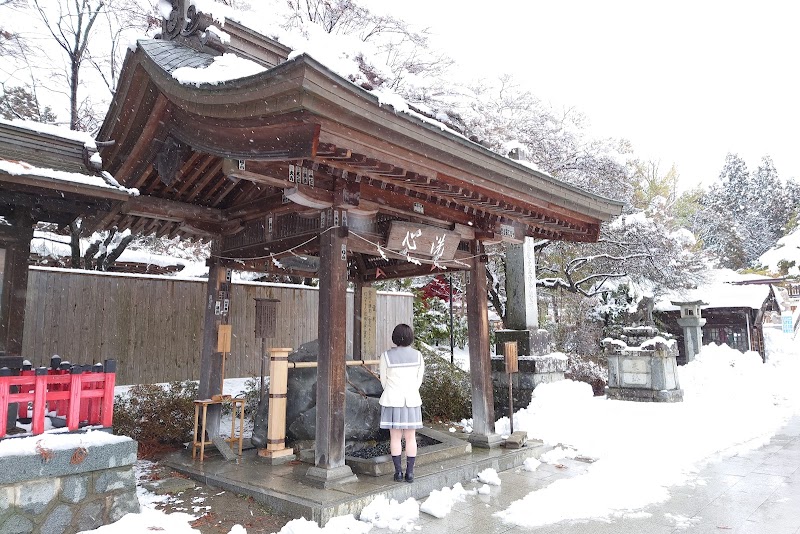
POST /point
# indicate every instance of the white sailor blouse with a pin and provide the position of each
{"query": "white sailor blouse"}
(402, 369)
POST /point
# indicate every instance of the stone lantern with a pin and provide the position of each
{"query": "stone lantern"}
(692, 324)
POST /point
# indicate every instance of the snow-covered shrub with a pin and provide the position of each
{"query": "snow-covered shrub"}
(155, 415)
(445, 390)
(432, 322)
(592, 370)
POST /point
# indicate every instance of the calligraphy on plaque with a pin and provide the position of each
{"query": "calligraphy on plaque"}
(369, 323)
(423, 240)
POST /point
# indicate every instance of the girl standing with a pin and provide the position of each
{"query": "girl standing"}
(401, 370)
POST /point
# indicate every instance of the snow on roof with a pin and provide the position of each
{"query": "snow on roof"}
(720, 292)
(341, 53)
(21, 168)
(52, 129)
(224, 68)
(787, 249)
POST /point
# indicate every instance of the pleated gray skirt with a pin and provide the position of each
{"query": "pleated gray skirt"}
(402, 418)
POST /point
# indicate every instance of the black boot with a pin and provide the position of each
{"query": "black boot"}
(409, 468)
(398, 474)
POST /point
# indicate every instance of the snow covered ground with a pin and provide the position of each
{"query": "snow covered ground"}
(733, 403)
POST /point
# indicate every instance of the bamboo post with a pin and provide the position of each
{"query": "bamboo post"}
(276, 450)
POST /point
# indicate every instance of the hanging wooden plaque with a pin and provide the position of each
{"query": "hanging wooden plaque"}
(423, 240)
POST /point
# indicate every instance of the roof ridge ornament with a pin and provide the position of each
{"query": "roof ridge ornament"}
(188, 25)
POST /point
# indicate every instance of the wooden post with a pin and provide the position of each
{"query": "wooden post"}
(39, 399)
(358, 295)
(210, 360)
(329, 467)
(483, 434)
(276, 450)
(107, 411)
(15, 285)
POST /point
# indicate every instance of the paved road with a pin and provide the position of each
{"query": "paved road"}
(756, 492)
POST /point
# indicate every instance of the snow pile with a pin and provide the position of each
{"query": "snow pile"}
(733, 403)
(224, 68)
(489, 476)
(553, 456)
(531, 464)
(440, 502)
(345, 524)
(148, 521)
(386, 513)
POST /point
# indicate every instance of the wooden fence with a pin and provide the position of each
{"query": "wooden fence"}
(153, 326)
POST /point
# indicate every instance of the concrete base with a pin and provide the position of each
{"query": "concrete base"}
(320, 477)
(285, 488)
(276, 457)
(644, 395)
(483, 441)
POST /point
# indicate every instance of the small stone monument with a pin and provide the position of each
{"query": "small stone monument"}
(692, 325)
(648, 373)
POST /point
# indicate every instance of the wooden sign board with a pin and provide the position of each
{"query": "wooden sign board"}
(511, 358)
(423, 240)
(369, 323)
(224, 338)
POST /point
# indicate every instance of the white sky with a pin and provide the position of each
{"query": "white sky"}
(685, 81)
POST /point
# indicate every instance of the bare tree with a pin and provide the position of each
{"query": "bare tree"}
(70, 24)
(120, 18)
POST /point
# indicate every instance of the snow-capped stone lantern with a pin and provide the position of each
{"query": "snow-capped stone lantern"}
(692, 324)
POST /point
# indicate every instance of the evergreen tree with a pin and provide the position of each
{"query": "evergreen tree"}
(21, 103)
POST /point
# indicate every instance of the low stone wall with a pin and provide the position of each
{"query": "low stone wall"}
(68, 488)
(646, 373)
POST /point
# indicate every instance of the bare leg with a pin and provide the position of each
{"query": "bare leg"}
(411, 441)
(395, 445)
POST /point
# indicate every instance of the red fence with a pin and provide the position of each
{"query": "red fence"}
(81, 395)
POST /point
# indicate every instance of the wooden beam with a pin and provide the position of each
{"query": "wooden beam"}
(142, 152)
(200, 185)
(237, 139)
(170, 210)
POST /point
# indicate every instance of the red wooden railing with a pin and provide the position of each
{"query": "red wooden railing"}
(83, 395)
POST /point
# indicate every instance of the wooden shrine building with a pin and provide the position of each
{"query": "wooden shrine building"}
(50, 175)
(296, 169)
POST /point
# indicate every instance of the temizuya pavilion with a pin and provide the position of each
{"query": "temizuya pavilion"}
(297, 157)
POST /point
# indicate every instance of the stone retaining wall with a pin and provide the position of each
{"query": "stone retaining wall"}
(69, 490)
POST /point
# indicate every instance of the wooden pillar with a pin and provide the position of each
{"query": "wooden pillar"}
(329, 468)
(483, 434)
(358, 305)
(15, 284)
(210, 359)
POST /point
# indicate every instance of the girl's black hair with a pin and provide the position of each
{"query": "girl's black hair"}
(403, 335)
